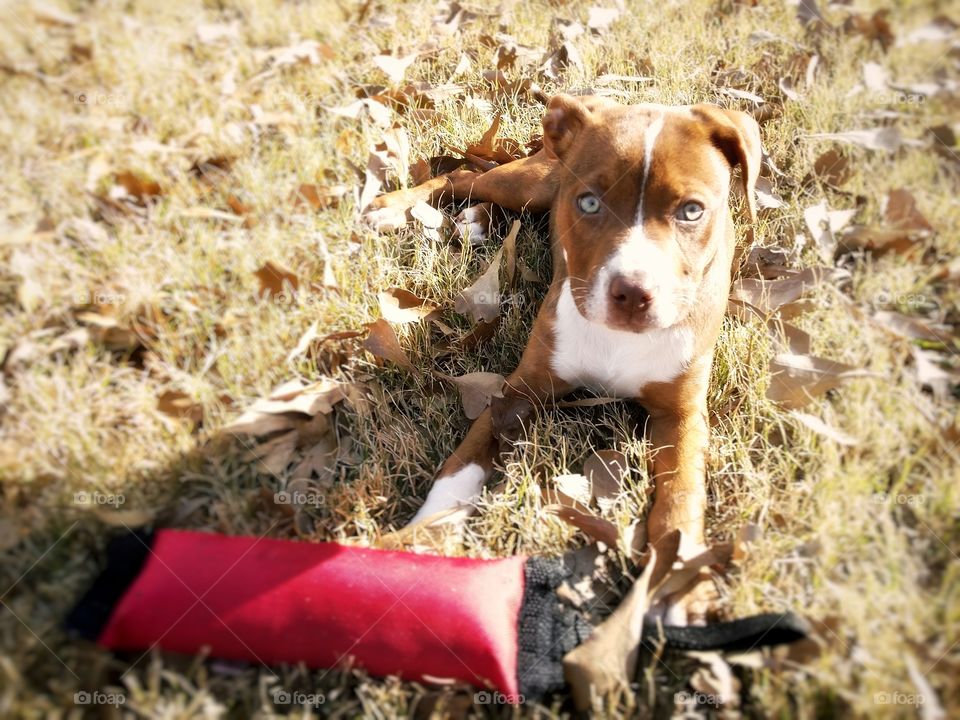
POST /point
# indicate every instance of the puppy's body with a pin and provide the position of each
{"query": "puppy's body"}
(642, 244)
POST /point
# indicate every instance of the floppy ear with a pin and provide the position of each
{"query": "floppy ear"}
(737, 136)
(565, 117)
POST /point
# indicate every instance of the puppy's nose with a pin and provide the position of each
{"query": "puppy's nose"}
(629, 296)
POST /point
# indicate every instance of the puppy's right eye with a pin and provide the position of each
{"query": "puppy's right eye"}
(589, 204)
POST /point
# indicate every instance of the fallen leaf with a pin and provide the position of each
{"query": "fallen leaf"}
(812, 422)
(823, 225)
(382, 343)
(179, 404)
(562, 58)
(789, 337)
(476, 391)
(481, 300)
(123, 518)
(796, 380)
(883, 138)
(492, 148)
(787, 88)
(768, 296)
(106, 331)
(320, 459)
(832, 167)
(880, 241)
(376, 111)
(605, 470)
(716, 680)
(304, 343)
(402, 306)
(307, 52)
(940, 29)
(599, 19)
(392, 152)
(900, 211)
(931, 374)
(874, 27)
(481, 333)
(742, 95)
(766, 196)
(319, 197)
(275, 280)
(293, 398)
(275, 454)
(607, 661)
(138, 187)
(591, 525)
(748, 534)
(394, 67)
(911, 328)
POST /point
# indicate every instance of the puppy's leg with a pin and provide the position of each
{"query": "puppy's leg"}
(526, 184)
(680, 435)
(465, 472)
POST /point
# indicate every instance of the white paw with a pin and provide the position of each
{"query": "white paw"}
(473, 224)
(385, 219)
(452, 491)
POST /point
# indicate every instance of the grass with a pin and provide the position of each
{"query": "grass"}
(862, 538)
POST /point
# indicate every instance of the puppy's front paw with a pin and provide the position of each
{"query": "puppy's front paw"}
(473, 224)
(387, 213)
(696, 604)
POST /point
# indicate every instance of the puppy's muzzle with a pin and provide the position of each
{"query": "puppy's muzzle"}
(628, 303)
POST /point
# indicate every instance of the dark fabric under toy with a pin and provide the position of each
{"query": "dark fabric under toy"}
(495, 624)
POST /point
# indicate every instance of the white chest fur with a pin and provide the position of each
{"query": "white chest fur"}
(614, 362)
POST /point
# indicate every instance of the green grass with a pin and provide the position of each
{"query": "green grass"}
(884, 574)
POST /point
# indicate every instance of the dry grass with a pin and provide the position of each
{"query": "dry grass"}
(86, 419)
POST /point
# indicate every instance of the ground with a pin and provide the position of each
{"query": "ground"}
(152, 155)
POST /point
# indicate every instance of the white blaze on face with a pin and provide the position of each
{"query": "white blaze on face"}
(639, 259)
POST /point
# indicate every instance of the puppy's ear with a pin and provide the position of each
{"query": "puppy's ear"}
(565, 117)
(737, 135)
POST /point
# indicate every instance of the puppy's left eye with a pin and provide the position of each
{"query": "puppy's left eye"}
(588, 203)
(690, 212)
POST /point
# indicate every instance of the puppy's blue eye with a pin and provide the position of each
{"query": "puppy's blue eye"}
(588, 203)
(690, 212)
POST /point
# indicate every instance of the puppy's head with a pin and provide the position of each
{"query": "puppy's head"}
(641, 212)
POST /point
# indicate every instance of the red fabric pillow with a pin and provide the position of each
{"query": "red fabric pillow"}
(421, 617)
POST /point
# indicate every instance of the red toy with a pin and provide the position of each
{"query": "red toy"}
(495, 624)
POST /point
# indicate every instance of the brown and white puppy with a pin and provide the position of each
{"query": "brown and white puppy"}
(643, 244)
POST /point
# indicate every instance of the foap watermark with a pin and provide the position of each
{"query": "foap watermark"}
(99, 97)
(898, 698)
(697, 698)
(881, 498)
(95, 497)
(495, 697)
(897, 97)
(99, 298)
(298, 497)
(97, 697)
(297, 697)
(887, 297)
(291, 298)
